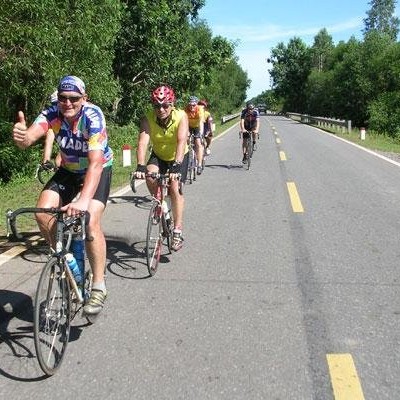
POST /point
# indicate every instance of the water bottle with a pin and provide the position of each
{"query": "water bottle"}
(74, 267)
(77, 247)
(166, 210)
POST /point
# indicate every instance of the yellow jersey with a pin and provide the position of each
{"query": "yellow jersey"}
(196, 117)
(164, 139)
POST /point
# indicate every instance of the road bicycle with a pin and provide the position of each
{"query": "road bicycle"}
(191, 173)
(193, 162)
(44, 171)
(58, 298)
(160, 222)
(248, 146)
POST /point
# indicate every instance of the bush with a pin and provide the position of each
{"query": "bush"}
(384, 114)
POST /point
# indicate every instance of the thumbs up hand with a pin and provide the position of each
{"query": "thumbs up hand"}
(19, 131)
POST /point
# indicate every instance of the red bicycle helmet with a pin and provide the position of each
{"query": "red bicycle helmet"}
(203, 103)
(163, 94)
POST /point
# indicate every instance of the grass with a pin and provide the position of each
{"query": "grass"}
(23, 192)
(372, 141)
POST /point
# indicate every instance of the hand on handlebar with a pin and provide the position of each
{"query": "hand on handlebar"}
(140, 172)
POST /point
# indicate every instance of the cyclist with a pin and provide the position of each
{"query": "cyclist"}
(195, 113)
(249, 122)
(49, 140)
(165, 128)
(208, 126)
(86, 161)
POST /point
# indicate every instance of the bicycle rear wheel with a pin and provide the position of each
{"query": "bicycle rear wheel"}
(249, 152)
(191, 167)
(154, 238)
(168, 225)
(52, 316)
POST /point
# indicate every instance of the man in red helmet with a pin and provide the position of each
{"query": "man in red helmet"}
(165, 128)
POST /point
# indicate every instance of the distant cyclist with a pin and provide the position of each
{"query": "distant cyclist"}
(249, 122)
(49, 140)
(195, 113)
(166, 129)
(208, 125)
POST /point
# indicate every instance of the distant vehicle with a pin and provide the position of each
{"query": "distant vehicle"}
(262, 108)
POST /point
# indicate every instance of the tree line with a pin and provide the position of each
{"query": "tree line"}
(357, 80)
(120, 48)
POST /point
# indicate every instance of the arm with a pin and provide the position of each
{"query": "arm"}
(25, 137)
(242, 125)
(257, 125)
(48, 145)
(181, 140)
(142, 145)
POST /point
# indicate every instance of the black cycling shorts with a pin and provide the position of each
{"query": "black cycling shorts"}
(163, 166)
(246, 134)
(195, 132)
(68, 184)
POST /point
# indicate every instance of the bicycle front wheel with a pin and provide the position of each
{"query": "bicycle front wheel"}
(191, 167)
(249, 152)
(154, 238)
(52, 316)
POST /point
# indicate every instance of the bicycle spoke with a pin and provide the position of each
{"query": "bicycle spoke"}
(154, 238)
(52, 316)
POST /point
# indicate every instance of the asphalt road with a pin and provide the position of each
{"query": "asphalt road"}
(287, 286)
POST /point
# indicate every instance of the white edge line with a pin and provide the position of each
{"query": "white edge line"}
(363, 148)
(355, 145)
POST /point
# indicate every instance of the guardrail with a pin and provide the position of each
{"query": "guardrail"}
(320, 121)
(226, 118)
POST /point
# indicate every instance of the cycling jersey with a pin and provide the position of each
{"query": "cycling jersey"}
(87, 133)
(208, 120)
(195, 116)
(250, 118)
(164, 139)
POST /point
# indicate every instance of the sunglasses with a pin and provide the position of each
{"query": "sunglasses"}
(72, 99)
(163, 105)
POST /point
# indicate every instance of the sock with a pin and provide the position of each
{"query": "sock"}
(100, 286)
(177, 229)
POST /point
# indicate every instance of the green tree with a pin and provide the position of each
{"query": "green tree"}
(40, 42)
(381, 18)
(155, 45)
(36, 50)
(321, 50)
(291, 66)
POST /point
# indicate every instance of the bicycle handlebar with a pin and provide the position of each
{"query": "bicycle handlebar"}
(154, 175)
(11, 217)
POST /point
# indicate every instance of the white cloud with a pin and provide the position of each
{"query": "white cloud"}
(265, 33)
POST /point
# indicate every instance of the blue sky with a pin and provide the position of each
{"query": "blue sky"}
(260, 25)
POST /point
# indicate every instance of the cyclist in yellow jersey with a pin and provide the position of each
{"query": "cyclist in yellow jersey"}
(165, 128)
(208, 126)
(195, 114)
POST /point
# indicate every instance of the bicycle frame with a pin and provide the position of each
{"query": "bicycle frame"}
(53, 309)
(159, 227)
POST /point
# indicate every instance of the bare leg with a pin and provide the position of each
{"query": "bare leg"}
(46, 222)
(96, 242)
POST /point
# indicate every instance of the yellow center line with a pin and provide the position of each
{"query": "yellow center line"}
(344, 378)
(294, 198)
(278, 140)
(282, 155)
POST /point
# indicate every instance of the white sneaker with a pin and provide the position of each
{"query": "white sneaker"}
(208, 151)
